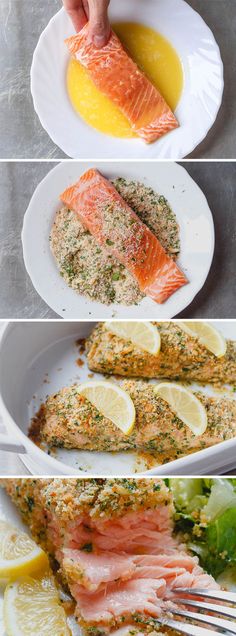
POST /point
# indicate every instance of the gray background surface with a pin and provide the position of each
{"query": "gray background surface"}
(18, 299)
(21, 23)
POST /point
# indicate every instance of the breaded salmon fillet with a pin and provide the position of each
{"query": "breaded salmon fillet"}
(113, 542)
(181, 357)
(69, 420)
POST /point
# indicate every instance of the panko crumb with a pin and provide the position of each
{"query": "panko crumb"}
(88, 268)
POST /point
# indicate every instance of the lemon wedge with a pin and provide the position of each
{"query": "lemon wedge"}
(112, 401)
(207, 336)
(143, 334)
(32, 606)
(185, 405)
(19, 555)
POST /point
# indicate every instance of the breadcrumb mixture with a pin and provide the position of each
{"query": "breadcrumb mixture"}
(69, 499)
(153, 210)
(90, 269)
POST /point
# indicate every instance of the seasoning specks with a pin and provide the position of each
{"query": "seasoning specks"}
(90, 269)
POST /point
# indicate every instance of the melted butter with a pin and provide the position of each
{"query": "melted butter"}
(154, 55)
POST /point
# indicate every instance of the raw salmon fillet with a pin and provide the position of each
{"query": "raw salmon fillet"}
(116, 227)
(117, 76)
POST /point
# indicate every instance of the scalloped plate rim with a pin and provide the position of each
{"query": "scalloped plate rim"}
(92, 305)
(178, 156)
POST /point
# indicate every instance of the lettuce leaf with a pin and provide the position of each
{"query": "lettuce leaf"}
(206, 514)
(188, 494)
(227, 578)
(222, 497)
(221, 536)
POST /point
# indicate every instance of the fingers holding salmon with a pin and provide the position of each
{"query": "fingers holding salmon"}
(94, 11)
(99, 26)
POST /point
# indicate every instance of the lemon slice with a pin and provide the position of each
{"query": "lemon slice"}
(143, 334)
(185, 405)
(207, 336)
(19, 555)
(112, 401)
(32, 606)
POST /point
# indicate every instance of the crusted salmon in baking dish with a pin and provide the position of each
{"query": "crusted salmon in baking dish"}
(116, 227)
(113, 543)
(181, 357)
(118, 77)
(69, 420)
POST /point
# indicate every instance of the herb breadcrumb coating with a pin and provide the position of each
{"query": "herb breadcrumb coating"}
(69, 420)
(181, 357)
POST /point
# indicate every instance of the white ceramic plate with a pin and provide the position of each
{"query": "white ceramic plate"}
(196, 111)
(196, 234)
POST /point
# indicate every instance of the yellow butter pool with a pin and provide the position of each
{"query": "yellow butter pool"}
(153, 54)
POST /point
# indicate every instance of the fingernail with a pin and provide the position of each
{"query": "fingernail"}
(99, 40)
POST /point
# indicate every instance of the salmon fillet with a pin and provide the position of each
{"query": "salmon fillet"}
(181, 357)
(69, 420)
(113, 542)
(116, 227)
(118, 77)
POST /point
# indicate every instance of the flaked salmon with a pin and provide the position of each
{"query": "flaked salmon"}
(96, 571)
(118, 77)
(116, 227)
(113, 540)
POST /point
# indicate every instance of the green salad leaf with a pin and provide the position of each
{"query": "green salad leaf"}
(188, 495)
(227, 578)
(206, 514)
(222, 497)
(221, 537)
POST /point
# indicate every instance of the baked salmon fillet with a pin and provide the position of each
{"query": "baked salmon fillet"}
(181, 357)
(115, 226)
(118, 77)
(113, 545)
(69, 420)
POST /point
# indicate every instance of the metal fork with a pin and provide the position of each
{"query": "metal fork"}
(222, 625)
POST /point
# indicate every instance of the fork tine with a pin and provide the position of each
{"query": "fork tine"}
(185, 628)
(210, 620)
(219, 595)
(211, 607)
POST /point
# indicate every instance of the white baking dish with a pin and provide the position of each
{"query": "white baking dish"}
(37, 358)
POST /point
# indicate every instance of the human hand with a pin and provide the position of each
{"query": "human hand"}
(80, 11)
